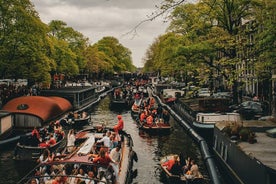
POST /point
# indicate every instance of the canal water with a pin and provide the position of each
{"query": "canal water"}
(149, 148)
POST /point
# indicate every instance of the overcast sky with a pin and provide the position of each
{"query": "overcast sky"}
(98, 18)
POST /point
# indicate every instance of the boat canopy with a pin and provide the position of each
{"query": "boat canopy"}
(43, 107)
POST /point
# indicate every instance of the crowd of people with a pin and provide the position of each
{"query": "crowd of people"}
(151, 114)
(106, 151)
(8, 92)
(181, 166)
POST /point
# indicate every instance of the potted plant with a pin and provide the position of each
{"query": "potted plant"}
(252, 138)
(244, 134)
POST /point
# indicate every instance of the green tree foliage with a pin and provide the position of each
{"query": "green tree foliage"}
(265, 12)
(97, 62)
(69, 48)
(119, 57)
(210, 29)
(23, 42)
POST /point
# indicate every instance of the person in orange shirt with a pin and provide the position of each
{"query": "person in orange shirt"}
(142, 117)
(149, 119)
(120, 125)
(171, 162)
(52, 140)
(152, 102)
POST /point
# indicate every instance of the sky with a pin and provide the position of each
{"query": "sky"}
(96, 19)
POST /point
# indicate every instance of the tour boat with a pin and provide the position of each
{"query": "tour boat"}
(25, 150)
(63, 167)
(156, 127)
(179, 178)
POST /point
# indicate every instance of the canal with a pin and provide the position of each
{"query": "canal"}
(148, 148)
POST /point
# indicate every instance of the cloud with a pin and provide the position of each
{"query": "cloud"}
(98, 18)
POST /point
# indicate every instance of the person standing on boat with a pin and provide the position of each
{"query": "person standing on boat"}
(71, 141)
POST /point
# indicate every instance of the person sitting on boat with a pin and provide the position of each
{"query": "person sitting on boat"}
(45, 156)
(71, 141)
(169, 164)
(194, 169)
(114, 140)
(143, 117)
(120, 125)
(51, 141)
(176, 168)
(166, 117)
(84, 115)
(105, 140)
(80, 176)
(57, 180)
(151, 102)
(102, 178)
(58, 132)
(154, 114)
(115, 154)
(149, 119)
(57, 127)
(159, 111)
(44, 134)
(193, 172)
(103, 158)
(90, 178)
(187, 166)
(51, 126)
(35, 137)
(34, 181)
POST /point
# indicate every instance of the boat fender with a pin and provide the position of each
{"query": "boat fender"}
(134, 156)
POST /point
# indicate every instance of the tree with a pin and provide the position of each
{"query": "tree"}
(97, 62)
(265, 38)
(119, 56)
(212, 27)
(69, 49)
(23, 42)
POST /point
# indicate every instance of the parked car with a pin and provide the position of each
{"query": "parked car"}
(203, 92)
(222, 95)
(250, 109)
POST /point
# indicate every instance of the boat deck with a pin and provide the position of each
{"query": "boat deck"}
(264, 150)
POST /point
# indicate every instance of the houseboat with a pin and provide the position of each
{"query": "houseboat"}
(78, 96)
(6, 124)
(246, 152)
(36, 111)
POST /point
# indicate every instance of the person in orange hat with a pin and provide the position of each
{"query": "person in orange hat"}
(120, 124)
